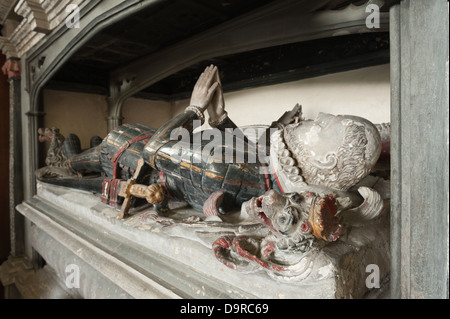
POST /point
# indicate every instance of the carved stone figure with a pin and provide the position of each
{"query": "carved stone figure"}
(300, 194)
(295, 221)
(12, 68)
(61, 149)
(56, 159)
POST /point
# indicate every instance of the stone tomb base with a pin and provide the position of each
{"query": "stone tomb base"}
(152, 256)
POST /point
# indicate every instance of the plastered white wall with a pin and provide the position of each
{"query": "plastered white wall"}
(78, 113)
(363, 92)
(85, 114)
(151, 113)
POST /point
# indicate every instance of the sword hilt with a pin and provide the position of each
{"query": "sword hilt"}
(154, 194)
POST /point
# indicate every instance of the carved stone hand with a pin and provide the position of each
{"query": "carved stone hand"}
(216, 110)
(205, 88)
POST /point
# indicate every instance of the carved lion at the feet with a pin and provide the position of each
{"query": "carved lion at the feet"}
(55, 154)
(297, 223)
(56, 159)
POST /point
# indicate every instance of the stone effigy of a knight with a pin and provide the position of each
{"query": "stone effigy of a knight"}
(296, 179)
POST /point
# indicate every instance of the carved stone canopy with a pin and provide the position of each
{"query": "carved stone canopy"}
(118, 49)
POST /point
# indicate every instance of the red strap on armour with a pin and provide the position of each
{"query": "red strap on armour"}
(122, 149)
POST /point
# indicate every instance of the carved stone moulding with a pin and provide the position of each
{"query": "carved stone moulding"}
(5, 7)
(40, 18)
(178, 249)
(8, 48)
(33, 11)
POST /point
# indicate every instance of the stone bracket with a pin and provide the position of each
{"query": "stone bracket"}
(34, 12)
(8, 48)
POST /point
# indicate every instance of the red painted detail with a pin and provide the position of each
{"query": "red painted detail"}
(247, 255)
(255, 185)
(223, 241)
(221, 244)
(276, 178)
(122, 149)
(263, 216)
(335, 235)
(330, 204)
(266, 177)
(210, 205)
(268, 249)
(110, 191)
(162, 182)
(267, 221)
(304, 227)
(385, 152)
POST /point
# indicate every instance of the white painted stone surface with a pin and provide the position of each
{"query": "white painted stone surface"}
(337, 271)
